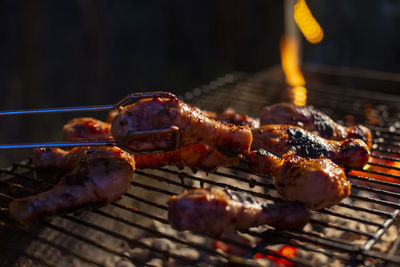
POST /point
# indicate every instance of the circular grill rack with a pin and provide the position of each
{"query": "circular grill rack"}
(92, 237)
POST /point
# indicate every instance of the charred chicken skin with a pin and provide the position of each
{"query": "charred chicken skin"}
(214, 211)
(317, 183)
(102, 176)
(280, 139)
(313, 120)
(193, 128)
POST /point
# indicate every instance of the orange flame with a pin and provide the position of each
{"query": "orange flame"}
(291, 68)
(306, 22)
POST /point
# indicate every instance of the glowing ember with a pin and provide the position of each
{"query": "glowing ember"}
(286, 251)
(291, 68)
(306, 22)
(389, 167)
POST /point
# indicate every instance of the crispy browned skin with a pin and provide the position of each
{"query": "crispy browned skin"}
(213, 211)
(86, 128)
(196, 156)
(317, 183)
(194, 127)
(57, 158)
(313, 120)
(280, 139)
(102, 176)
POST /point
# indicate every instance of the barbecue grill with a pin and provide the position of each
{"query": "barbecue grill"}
(361, 230)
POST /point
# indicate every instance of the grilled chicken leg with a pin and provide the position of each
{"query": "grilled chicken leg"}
(313, 120)
(317, 183)
(213, 211)
(102, 176)
(280, 139)
(194, 127)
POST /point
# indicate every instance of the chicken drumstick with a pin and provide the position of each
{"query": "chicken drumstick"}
(213, 211)
(166, 113)
(313, 120)
(280, 139)
(102, 176)
(317, 183)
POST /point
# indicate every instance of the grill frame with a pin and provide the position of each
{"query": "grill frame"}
(228, 90)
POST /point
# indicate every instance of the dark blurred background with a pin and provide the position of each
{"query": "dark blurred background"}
(86, 52)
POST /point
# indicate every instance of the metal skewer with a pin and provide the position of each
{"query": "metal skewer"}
(56, 110)
(126, 100)
(58, 144)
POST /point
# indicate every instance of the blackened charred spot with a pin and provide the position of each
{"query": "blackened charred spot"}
(228, 150)
(323, 124)
(306, 144)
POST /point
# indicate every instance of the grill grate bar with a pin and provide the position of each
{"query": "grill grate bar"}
(93, 243)
(287, 237)
(384, 166)
(162, 179)
(128, 240)
(140, 212)
(223, 185)
(32, 257)
(378, 234)
(386, 150)
(374, 200)
(376, 191)
(160, 206)
(259, 194)
(14, 186)
(349, 217)
(341, 228)
(251, 89)
(314, 220)
(152, 188)
(260, 248)
(367, 210)
(252, 183)
(356, 219)
(158, 233)
(305, 247)
(374, 254)
(384, 174)
(385, 157)
(51, 244)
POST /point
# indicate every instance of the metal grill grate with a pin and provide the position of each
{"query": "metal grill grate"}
(368, 217)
